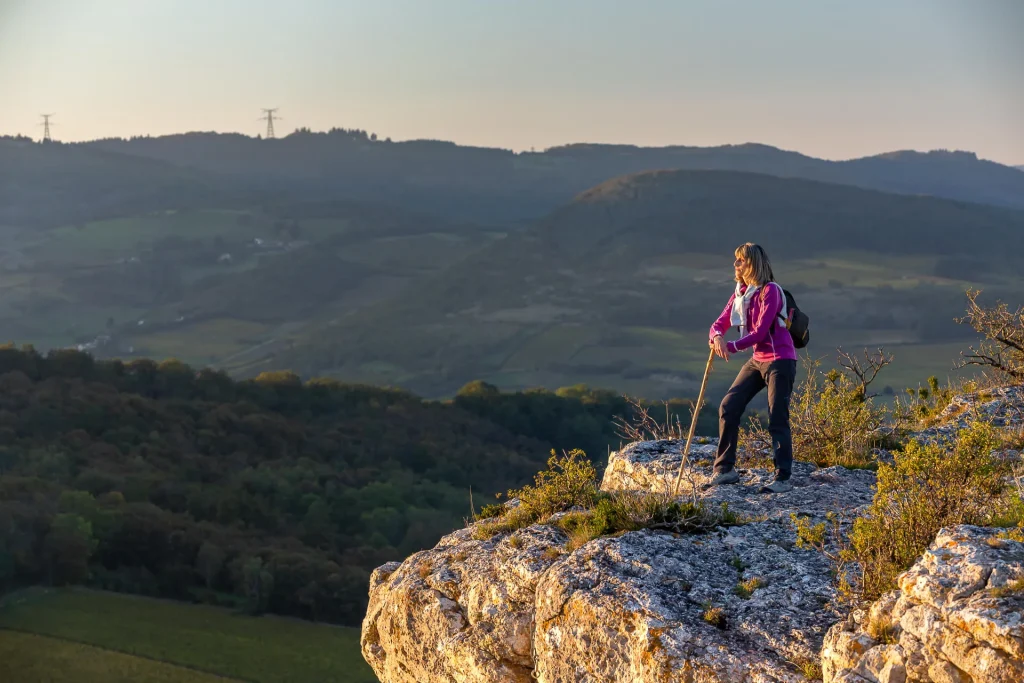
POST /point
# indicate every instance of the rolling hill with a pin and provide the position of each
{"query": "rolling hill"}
(499, 186)
(617, 288)
(55, 184)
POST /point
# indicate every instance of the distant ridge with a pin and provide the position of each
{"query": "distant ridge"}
(44, 185)
(500, 186)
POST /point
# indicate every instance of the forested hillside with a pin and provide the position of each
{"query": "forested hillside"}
(270, 494)
(59, 184)
(618, 288)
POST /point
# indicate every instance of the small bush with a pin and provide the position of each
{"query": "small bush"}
(808, 537)
(927, 488)
(811, 669)
(715, 616)
(570, 485)
(632, 511)
(833, 419)
(745, 589)
(489, 511)
(927, 403)
(570, 481)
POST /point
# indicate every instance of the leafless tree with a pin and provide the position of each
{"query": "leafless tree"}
(1003, 347)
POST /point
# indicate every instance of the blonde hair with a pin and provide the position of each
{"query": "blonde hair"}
(757, 263)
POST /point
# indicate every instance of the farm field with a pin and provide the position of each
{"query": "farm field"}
(118, 635)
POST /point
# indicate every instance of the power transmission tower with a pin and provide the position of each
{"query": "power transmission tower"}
(269, 118)
(46, 127)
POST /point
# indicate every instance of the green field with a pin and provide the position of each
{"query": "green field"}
(126, 638)
(28, 658)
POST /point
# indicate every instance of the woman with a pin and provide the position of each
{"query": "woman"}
(758, 308)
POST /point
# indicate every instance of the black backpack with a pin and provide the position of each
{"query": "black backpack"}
(797, 321)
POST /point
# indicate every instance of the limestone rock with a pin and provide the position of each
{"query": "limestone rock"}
(520, 607)
(653, 466)
(958, 616)
(1000, 407)
(631, 608)
(462, 611)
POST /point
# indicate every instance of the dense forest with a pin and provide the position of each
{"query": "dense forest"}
(269, 494)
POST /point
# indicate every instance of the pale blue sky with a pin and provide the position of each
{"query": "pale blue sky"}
(831, 78)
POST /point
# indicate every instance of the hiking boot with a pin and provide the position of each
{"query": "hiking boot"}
(777, 486)
(724, 478)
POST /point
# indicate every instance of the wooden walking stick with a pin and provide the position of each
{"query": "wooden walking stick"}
(693, 424)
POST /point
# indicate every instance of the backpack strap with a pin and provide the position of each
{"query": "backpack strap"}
(783, 315)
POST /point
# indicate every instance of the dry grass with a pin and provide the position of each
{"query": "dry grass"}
(1012, 588)
(745, 589)
(811, 669)
(715, 616)
(883, 631)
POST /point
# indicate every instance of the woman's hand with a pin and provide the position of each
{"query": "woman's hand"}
(720, 348)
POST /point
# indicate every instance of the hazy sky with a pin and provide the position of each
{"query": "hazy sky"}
(831, 78)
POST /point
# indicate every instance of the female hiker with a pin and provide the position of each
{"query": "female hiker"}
(758, 308)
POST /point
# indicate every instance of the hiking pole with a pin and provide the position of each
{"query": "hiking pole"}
(693, 424)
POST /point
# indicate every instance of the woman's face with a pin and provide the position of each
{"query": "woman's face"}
(742, 269)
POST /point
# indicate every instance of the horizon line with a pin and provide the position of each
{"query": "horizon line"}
(512, 150)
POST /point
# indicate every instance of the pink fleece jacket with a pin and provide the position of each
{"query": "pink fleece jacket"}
(770, 343)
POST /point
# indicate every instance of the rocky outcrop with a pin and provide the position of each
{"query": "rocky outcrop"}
(633, 607)
(1000, 407)
(654, 466)
(957, 617)
(743, 604)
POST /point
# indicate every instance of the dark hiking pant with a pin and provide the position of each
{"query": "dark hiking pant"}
(779, 377)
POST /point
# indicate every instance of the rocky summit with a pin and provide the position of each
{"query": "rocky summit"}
(641, 606)
(751, 603)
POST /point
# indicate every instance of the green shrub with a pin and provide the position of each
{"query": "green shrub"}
(570, 485)
(810, 668)
(490, 510)
(808, 537)
(833, 418)
(927, 403)
(928, 488)
(744, 589)
(715, 616)
(570, 481)
(631, 511)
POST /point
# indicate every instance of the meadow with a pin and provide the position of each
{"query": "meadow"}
(91, 636)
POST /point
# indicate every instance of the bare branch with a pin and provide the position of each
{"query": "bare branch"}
(865, 374)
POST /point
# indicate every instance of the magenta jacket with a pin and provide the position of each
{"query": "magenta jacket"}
(770, 343)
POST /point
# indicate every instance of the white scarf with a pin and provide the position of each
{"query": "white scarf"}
(741, 305)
